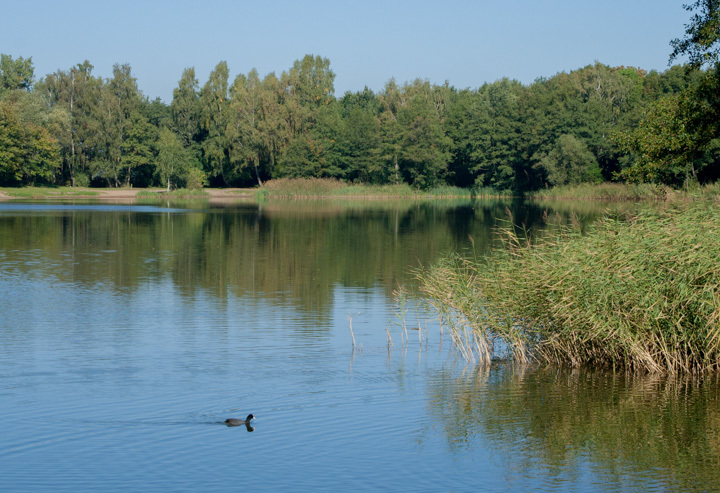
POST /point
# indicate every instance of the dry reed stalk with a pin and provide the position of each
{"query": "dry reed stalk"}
(390, 343)
(352, 334)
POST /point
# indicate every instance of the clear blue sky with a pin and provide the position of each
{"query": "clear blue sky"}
(466, 42)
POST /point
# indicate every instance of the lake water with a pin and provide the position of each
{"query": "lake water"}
(129, 333)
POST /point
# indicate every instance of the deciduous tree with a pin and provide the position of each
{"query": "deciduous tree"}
(215, 117)
(77, 92)
(16, 74)
(701, 43)
(27, 151)
(173, 160)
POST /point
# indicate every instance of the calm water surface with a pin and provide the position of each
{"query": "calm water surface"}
(129, 333)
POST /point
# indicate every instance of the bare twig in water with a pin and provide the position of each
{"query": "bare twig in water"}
(352, 334)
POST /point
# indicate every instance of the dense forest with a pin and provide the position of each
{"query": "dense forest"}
(597, 123)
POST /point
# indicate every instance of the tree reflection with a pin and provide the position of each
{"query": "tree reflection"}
(293, 251)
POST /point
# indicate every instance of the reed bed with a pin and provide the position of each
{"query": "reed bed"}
(637, 292)
(298, 187)
(329, 187)
(606, 191)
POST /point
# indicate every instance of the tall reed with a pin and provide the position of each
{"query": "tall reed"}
(330, 187)
(639, 292)
(605, 191)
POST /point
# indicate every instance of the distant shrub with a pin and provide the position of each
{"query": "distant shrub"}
(82, 180)
(195, 179)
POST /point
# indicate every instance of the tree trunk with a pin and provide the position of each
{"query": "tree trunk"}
(257, 173)
(397, 170)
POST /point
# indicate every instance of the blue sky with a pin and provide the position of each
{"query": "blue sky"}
(466, 43)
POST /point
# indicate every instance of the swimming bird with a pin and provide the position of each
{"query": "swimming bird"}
(238, 422)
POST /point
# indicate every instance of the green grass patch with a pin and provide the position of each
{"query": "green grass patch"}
(637, 292)
(46, 192)
(180, 193)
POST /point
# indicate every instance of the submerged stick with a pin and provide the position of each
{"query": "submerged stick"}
(352, 334)
(390, 343)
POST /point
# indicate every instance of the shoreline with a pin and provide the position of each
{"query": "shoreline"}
(124, 194)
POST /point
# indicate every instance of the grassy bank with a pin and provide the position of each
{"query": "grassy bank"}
(606, 191)
(625, 191)
(642, 293)
(329, 188)
(45, 192)
(181, 193)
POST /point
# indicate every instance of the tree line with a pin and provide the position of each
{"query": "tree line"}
(597, 123)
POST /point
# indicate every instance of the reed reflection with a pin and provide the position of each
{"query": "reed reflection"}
(665, 428)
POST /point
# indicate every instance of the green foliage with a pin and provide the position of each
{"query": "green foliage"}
(570, 162)
(16, 74)
(310, 81)
(173, 161)
(244, 129)
(215, 116)
(195, 179)
(28, 153)
(158, 114)
(662, 143)
(11, 146)
(75, 93)
(301, 159)
(364, 100)
(701, 109)
(137, 146)
(592, 124)
(186, 108)
(467, 120)
(121, 140)
(702, 35)
(425, 149)
(359, 146)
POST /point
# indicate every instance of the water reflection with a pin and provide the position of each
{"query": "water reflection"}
(629, 429)
(139, 330)
(285, 250)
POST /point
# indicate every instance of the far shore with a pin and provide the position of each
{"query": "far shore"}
(115, 194)
(314, 188)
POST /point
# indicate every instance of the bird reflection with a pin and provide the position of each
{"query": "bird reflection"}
(247, 426)
(239, 422)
